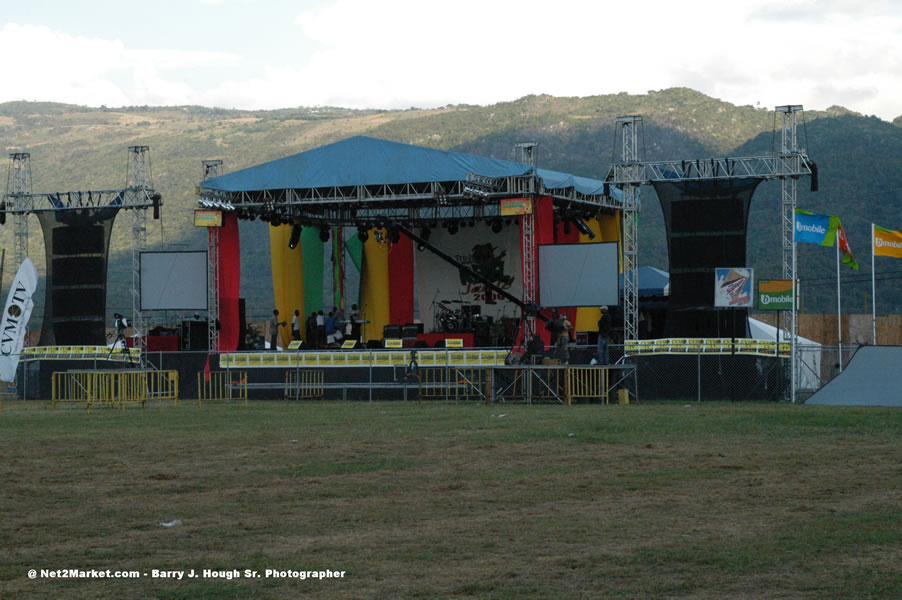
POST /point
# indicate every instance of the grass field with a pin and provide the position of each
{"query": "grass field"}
(454, 501)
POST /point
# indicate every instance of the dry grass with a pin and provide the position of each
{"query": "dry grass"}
(438, 501)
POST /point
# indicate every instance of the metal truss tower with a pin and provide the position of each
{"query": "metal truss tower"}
(789, 187)
(18, 188)
(138, 188)
(629, 139)
(525, 152)
(212, 168)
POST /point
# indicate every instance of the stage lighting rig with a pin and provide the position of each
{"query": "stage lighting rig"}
(295, 236)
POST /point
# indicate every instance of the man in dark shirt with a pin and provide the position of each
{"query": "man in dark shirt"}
(604, 334)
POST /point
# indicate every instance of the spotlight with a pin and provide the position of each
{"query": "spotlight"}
(497, 225)
(394, 236)
(362, 234)
(425, 232)
(584, 228)
(295, 236)
(324, 234)
(155, 198)
(452, 227)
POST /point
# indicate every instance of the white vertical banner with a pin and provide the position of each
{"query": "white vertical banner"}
(448, 296)
(16, 313)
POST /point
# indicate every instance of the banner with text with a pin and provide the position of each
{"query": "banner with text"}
(775, 294)
(887, 242)
(16, 313)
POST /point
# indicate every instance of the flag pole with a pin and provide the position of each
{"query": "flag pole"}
(873, 290)
(838, 308)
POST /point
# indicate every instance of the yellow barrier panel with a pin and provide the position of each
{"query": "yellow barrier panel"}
(586, 382)
(227, 386)
(453, 383)
(304, 384)
(114, 389)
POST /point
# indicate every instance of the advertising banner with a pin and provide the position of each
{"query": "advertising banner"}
(14, 325)
(733, 287)
(775, 294)
(887, 242)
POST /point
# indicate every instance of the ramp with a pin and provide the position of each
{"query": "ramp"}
(873, 377)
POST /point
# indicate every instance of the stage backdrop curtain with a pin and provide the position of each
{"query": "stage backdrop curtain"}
(287, 281)
(374, 291)
(447, 294)
(400, 281)
(312, 260)
(229, 283)
(562, 236)
(606, 229)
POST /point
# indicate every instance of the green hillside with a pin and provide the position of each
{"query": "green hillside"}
(78, 148)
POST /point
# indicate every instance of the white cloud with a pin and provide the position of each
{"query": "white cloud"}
(402, 53)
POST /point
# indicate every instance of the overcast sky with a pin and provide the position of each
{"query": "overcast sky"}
(265, 54)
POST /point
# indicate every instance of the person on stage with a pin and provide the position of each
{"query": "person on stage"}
(274, 324)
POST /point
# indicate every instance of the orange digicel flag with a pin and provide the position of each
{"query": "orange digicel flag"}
(887, 242)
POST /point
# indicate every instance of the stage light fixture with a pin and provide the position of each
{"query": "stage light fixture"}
(362, 234)
(497, 225)
(295, 236)
(394, 236)
(567, 228)
(324, 234)
(584, 228)
(425, 232)
(452, 227)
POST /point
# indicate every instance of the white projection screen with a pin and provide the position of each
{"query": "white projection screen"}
(578, 275)
(174, 280)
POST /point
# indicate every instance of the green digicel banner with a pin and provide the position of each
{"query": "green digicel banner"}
(775, 294)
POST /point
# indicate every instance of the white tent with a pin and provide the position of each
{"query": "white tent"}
(810, 354)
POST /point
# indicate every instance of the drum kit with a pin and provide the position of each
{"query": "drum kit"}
(453, 316)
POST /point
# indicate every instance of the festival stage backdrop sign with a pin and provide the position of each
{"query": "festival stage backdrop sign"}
(512, 207)
(451, 295)
(733, 287)
(775, 294)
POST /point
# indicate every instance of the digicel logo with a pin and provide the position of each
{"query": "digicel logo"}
(880, 243)
(810, 228)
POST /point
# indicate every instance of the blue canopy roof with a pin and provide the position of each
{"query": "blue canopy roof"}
(652, 282)
(362, 161)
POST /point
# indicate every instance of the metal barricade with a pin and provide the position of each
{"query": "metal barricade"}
(226, 386)
(304, 384)
(454, 383)
(588, 383)
(114, 389)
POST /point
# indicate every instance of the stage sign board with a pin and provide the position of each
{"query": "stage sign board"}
(207, 218)
(295, 345)
(454, 343)
(348, 344)
(733, 287)
(775, 294)
(394, 343)
(511, 207)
